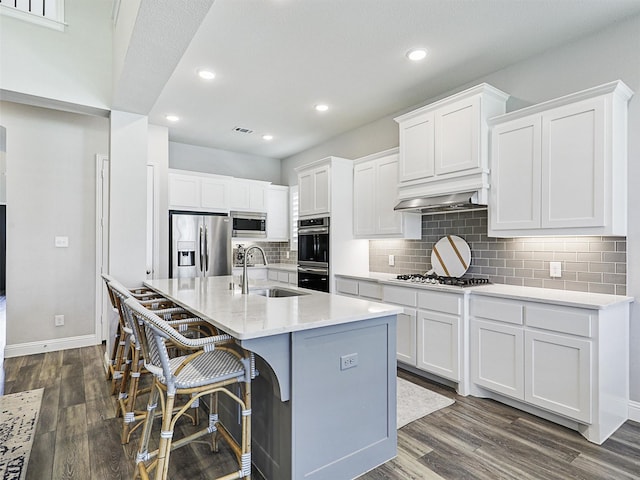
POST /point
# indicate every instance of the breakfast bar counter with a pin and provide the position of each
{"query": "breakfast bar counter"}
(325, 397)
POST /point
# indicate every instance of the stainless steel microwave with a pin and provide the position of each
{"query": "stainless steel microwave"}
(249, 224)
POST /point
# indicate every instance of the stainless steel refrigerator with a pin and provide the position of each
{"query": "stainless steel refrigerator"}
(200, 244)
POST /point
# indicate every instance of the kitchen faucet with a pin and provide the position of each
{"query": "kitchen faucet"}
(245, 282)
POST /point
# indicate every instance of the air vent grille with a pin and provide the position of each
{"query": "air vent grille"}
(242, 130)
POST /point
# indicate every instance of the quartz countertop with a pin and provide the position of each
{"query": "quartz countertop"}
(533, 294)
(253, 316)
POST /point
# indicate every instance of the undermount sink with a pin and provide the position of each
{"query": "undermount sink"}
(276, 292)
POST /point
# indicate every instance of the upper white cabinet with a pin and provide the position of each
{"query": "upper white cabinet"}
(199, 192)
(248, 195)
(277, 213)
(314, 190)
(375, 193)
(559, 168)
(444, 145)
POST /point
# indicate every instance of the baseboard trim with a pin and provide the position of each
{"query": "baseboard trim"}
(53, 345)
(634, 411)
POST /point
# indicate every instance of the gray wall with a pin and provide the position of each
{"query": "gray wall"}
(224, 162)
(50, 192)
(608, 55)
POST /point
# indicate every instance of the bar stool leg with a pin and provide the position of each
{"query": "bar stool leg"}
(166, 435)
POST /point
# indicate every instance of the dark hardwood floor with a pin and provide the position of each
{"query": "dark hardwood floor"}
(78, 436)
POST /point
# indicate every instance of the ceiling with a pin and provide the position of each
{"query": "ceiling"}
(275, 59)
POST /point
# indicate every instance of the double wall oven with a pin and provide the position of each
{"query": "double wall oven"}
(313, 253)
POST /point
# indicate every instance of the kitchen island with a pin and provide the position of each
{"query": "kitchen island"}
(325, 397)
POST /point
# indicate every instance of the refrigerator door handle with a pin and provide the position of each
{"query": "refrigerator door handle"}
(201, 248)
(206, 249)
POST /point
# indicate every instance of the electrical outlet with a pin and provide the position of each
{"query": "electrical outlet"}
(555, 269)
(59, 320)
(287, 252)
(392, 260)
(348, 361)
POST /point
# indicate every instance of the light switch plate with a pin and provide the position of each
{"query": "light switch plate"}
(62, 242)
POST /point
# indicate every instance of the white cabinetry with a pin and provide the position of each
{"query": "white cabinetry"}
(559, 168)
(277, 213)
(314, 190)
(570, 361)
(283, 276)
(375, 193)
(444, 145)
(248, 195)
(439, 333)
(199, 192)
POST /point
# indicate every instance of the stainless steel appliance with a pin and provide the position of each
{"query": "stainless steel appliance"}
(433, 279)
(249, 224)
(313, 254)
(199, 244)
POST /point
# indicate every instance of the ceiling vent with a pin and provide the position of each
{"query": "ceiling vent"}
(242, 130)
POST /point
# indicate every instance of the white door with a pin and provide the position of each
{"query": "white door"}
(322, 191)
(406, 336)
(573, 173)
(416, 148)
(515, 174)
(438, 335)
(497, 357)
(364, 198)
(389, 222)
(104, 314)
(457, 137)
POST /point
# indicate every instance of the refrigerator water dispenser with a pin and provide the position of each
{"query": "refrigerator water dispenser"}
(186, 254)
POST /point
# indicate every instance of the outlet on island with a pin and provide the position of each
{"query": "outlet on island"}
(59, 320)
(348, 361)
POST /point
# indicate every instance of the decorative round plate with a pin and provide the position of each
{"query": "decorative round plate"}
(451, 256)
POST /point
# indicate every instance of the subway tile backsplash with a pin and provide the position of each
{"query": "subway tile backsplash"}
(276, 252)
(589, 264)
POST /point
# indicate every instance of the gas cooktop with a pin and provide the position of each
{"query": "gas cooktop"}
(433, 279)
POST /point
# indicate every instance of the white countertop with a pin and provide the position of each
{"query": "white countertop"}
(254, 316)
(289, 267)
(533, 294)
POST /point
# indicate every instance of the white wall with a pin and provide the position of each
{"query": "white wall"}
(128, 197)
(50, 192)
(73, 67)
(224, 162)
(608, 55)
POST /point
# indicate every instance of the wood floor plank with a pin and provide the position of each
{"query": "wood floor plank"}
(48, 420)
(71, 386)
(41, 459)
(71, 461)
(106, 453)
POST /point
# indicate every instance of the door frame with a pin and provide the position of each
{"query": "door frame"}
(102, 248)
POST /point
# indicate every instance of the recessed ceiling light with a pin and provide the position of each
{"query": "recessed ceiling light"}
(206, 74)
(416, 54)
(172, 118)
(321, 107)
(267, 137)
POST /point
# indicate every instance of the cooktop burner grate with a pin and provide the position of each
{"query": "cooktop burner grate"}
(439, 280)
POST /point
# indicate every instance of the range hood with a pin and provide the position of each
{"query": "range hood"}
(454, 202)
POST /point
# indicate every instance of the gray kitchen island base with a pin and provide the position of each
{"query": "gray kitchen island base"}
(340, 417)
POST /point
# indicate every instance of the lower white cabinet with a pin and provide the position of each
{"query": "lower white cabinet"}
(406, 337)
(558, 374)
(282, 276)
(497, 358)
(439, 334)
(570, 361)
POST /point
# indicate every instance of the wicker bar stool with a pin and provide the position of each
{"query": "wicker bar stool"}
(177, 318)
(213, 365)
(117, 360)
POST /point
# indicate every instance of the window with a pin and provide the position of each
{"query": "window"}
(48, 13)
(293, 208)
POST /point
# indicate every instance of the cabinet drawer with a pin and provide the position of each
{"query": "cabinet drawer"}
(560, 319)
(400, 295)
(283, 277)
(272, 275)
(370, 290)
(499, 310)
(346, 285)
(440, 302)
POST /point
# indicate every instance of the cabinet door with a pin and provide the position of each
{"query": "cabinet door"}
(389, 222)
(258, 197)
(438, 340)
(364, 198)
(515, 174)
(322, 190)
(240, 195)
(416, 148)
(278, 214)
(406, 336)
(457, 136)
(558, 374)
(184, 191)
(306, 193)
(573, 173)
(215, 194)
(497, 357)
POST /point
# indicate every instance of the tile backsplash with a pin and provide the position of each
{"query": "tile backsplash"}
(589, 264)
(276, 252)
